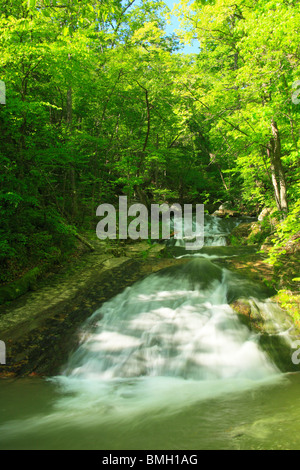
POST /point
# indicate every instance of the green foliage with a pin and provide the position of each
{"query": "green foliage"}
(248, 63)
(261, 230)
(101, 103)
(291, 303)
(287, 238)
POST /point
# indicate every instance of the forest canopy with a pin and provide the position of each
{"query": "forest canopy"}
(102, 102)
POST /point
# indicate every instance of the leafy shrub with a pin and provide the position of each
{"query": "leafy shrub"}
(287, 236)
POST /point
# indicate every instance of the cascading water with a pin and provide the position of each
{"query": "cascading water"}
(171, 342)
(174, 324)
(173, 330)
(216, 231)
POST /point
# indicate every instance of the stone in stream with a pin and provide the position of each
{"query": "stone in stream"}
(276, 330)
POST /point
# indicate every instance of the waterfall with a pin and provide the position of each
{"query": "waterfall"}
(168, 340)
(168, 363)
(216, 231)
(173, 324)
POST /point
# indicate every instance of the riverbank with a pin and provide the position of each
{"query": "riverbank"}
(280, 272)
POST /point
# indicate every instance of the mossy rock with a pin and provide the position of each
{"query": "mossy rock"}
(253, 233)
(279, 351)
(240, 234)
(20, 287)
(247, 314)
(242, 307)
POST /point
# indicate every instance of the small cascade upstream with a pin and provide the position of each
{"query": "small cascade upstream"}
(216, 231)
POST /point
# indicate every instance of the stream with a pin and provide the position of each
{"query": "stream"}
(168, 364)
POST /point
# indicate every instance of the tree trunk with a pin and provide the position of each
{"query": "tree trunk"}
(214, 160)
(277, 171)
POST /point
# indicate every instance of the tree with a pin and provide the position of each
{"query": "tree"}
(248, 63)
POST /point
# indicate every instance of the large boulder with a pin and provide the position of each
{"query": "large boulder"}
(19, 287)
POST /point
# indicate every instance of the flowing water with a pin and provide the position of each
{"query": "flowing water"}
(216, 231)
(166, 364)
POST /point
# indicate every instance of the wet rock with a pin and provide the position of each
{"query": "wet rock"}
(20, 287)
(242, 307)
(40, 328)
(264, 213)
(240, 234)
(145, 249)
(225, 210)
(254, 233)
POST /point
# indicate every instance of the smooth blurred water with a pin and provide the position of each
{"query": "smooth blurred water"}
(171, 324)
(166, 364)
(216, 231)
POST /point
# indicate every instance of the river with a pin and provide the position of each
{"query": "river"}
(166, 364)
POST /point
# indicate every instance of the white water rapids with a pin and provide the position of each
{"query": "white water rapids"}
(215, 231)
(171, 342)
(168, 327)
(167, 341)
